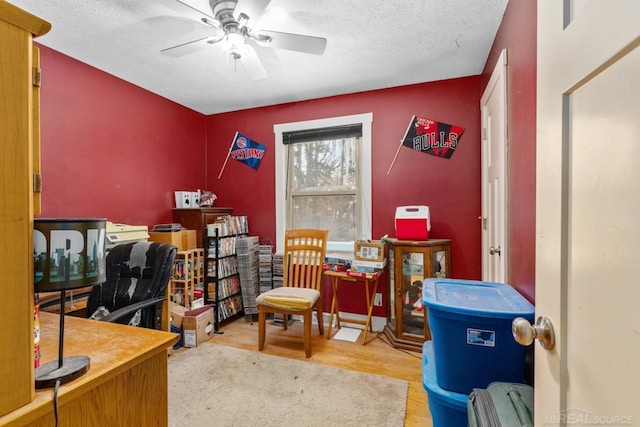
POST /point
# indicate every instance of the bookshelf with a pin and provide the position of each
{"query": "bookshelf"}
(222, 279)
(186, 278)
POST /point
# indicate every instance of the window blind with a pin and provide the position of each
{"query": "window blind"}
(329, 133)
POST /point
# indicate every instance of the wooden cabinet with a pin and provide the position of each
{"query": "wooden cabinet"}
(186, 277)
(198, 218)
(409, 263)
(19, 149)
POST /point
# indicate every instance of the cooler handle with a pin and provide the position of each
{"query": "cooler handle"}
(415, 208)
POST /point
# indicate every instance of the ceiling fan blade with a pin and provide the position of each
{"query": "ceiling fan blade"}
(251, 8)
(190, 47)
(252, 64)
(204, 10)
(288, 41)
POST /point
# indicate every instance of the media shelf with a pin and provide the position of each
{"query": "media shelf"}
(186, 279)
(222, 279)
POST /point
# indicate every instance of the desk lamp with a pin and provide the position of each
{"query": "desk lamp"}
(68, 254)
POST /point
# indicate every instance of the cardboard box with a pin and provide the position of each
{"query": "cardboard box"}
(369, 251)
(197, 326)
(183, 239)
(177, 314)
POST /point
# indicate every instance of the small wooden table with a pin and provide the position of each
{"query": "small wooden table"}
(336, 277)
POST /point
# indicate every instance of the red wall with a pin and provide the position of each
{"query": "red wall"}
(114, 150)
(517, 34)
(451, 188)
(111, 149)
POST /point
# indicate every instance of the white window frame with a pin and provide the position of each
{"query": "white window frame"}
(366, 119)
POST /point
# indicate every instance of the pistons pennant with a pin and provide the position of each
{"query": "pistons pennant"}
(246, 150)
(432, 137)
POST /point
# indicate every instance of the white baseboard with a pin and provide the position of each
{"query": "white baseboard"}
(377, 323)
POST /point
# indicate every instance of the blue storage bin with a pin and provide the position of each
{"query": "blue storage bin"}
(447, 408)
(470, 325)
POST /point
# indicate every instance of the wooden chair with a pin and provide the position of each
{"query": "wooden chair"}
(301, 291)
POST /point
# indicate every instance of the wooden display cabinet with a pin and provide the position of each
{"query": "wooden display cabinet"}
(198, 218)
(187, 276)
(20, 172)
(409, 263)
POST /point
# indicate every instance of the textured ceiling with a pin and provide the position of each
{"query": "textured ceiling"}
(371, 44)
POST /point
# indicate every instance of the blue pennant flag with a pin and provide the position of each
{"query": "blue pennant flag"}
(247, 151)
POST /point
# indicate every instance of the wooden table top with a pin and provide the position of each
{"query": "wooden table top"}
(112, 349)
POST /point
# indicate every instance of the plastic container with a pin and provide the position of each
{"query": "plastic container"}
(447, 408)
(413, 222)
(470, 325)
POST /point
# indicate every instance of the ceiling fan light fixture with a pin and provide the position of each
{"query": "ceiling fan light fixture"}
(234, 42)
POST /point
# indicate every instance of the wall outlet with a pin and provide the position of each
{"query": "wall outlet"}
(378, 300)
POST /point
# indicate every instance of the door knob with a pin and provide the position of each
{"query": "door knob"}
(524, 333)
(494, 251)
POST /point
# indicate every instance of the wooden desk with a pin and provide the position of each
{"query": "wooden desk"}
(336, 277)
(127, 382)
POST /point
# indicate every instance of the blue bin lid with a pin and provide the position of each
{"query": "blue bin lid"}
(475, 298)
(430, 380)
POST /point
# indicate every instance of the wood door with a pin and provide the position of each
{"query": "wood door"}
(587, 210)
(494, 174)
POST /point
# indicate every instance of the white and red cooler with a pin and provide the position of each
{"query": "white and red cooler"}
(413, 222)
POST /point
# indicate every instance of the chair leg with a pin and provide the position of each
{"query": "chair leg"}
(261, 328)
(320, 319)
(307, 332)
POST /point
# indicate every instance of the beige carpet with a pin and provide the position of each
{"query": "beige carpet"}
(214, 385)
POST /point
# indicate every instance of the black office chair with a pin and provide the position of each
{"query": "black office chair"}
(137, 277)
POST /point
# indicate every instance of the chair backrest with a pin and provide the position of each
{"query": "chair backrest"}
(304, 253)
(135, 272)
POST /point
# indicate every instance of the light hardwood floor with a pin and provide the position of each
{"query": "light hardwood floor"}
(377, 357)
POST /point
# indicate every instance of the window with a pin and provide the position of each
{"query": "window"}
(323, 178)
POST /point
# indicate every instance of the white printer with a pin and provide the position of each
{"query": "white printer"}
(121, 233)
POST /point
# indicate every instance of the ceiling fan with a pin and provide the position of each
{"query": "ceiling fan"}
(233, 22)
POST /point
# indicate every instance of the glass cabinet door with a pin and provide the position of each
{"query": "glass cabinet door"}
(410, 296)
